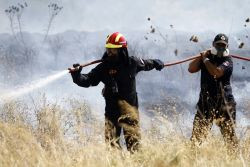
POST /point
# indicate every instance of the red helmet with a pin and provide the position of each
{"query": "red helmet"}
(116, 40)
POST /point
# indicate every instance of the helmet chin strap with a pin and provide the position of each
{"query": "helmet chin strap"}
(214, 52)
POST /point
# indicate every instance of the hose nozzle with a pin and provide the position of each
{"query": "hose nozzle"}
(74, 69)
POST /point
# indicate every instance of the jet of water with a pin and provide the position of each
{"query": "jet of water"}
(24, 89)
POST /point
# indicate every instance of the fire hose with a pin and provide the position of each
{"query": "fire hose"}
(84, 65)
(167, 64)
(194, 57)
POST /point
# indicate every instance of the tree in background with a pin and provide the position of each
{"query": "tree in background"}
(16, 11)
(19, 55)
(54, 10)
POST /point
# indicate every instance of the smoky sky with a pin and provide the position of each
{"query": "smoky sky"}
(121, 15)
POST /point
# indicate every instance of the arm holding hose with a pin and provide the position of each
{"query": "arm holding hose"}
(195, 65)
(148, 64)
(86, 80)
(213, 70)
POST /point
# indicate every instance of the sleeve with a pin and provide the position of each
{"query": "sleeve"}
(86, 80)
(144, 65)
(227, 66)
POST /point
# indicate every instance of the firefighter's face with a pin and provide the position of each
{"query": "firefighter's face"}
(113, 55)
(220, 48)
(112, 52)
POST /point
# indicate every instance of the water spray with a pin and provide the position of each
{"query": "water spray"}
(27, 88)
(32, 86)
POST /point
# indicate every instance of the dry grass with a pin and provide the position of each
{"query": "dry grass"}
(71, 136)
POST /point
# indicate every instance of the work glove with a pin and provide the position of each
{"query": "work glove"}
(159, 65)
(75, 72)
(78, 67)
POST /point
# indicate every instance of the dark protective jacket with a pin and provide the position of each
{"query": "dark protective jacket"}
(119, 80)
(216, 92)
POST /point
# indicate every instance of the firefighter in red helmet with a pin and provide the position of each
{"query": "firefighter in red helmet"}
(118, 71)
